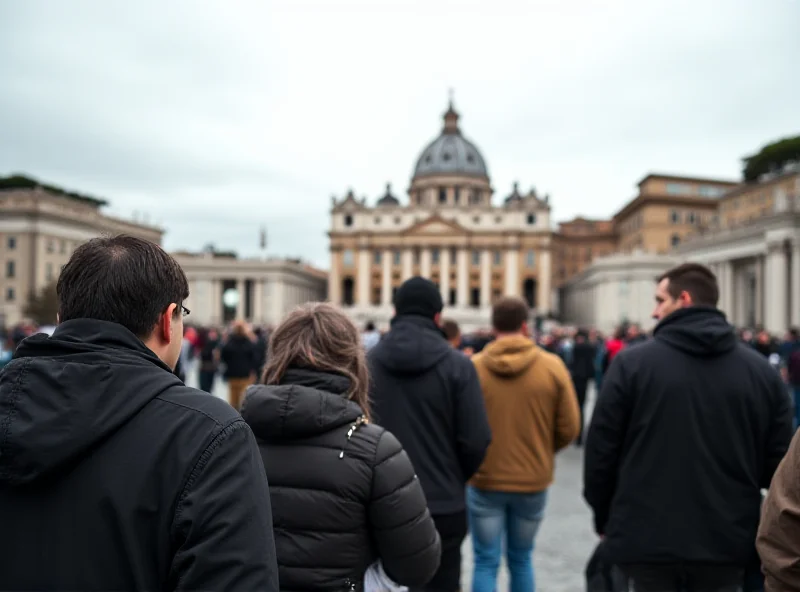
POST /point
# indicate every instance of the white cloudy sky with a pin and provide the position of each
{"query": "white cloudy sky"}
(216, 117)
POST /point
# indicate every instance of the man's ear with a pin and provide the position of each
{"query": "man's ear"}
(165, 321)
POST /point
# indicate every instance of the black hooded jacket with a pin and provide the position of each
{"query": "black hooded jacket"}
(343, 492)
(428, 395)
(688, 428)
(116, 476)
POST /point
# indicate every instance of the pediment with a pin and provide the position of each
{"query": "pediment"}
(435, 226)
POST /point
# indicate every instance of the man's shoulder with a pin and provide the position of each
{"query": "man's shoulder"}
(189, 402)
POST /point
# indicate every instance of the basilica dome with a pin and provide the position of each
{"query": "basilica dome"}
(451, 153)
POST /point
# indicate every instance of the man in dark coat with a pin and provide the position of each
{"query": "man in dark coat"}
(582, 371)
(428, 395)
(114, 475)
(688, 429)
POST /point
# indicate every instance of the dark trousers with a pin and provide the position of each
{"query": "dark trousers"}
(687, 577)
(452, 530)
(581, 386)
(206, 379)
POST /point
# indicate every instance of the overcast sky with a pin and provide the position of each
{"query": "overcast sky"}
(217, 117)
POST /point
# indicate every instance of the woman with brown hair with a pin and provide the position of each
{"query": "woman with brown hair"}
(343, 492)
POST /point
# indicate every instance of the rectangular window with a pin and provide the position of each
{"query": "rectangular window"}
(475, 297)
(435, 256)
(12, 243)
(11, 269)
(396, 257)
(51, 246)
(678, 189)
(377, 257)
(10, 295)
(498, 258)
(442, 195)
(476, 257)
(530, 259)
(674, 217)
(347, 257)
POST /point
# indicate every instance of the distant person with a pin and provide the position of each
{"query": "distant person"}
(114, 475)
(371, 336)
(428, 395)
(582, 370)
(533, 413)
(209, 359)
(343, 491)
(241, 362)
(688, 429)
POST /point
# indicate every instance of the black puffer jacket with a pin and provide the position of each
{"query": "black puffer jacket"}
(342, 496)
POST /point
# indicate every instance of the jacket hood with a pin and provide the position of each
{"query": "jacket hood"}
(510, 356)
(697, 330)
(306, 403)
(63, 394)
(413, 346)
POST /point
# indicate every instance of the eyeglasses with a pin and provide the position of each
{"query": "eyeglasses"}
(185, 311)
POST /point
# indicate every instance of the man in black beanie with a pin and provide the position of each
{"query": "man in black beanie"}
(428, 395)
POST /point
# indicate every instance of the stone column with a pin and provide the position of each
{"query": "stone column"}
(407, 260)
(741, 297)
(512, 287)
(543, 277)
(486, 278)
(258, 299)
(335, 280)
(776, 284)
(386, 278)
(726, 288)
(444, 274)
(759, 303)
(795, 292)
(216, 301)
(363, 280)
(462, 279)
(425, 263)
(240, 288)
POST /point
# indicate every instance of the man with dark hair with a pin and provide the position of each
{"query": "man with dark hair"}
(114, 475)
(428, 395)
(452, 332)
(688, 428)
(533, 413)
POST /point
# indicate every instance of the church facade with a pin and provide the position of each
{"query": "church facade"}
(447, 229)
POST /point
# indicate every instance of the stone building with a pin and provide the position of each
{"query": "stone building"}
(755, 252)
(39, 230)
(615, 289)
(223, 287)
(577, 243)
(448, 230)
(667, 209)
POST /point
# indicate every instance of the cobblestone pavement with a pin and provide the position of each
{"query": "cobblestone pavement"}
(566, 538)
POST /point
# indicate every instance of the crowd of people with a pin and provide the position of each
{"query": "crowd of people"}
(350, 460)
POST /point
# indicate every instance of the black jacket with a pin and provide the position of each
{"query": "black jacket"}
(428, 395)
(583, 358)
(240, 357)
(116, 476)
(342, 496)
(688, 428)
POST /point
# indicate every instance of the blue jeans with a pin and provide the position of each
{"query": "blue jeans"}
(493, 514)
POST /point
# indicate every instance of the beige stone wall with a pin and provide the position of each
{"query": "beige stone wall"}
(757, 201)
(47, 229)
(656, 225)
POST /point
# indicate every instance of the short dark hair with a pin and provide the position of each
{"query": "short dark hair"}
(122, 279)
(370, 326)
(509, 314)
(450, 329)
(698, 280)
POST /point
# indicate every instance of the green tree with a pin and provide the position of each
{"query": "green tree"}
(771, 157)
(42, 308)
